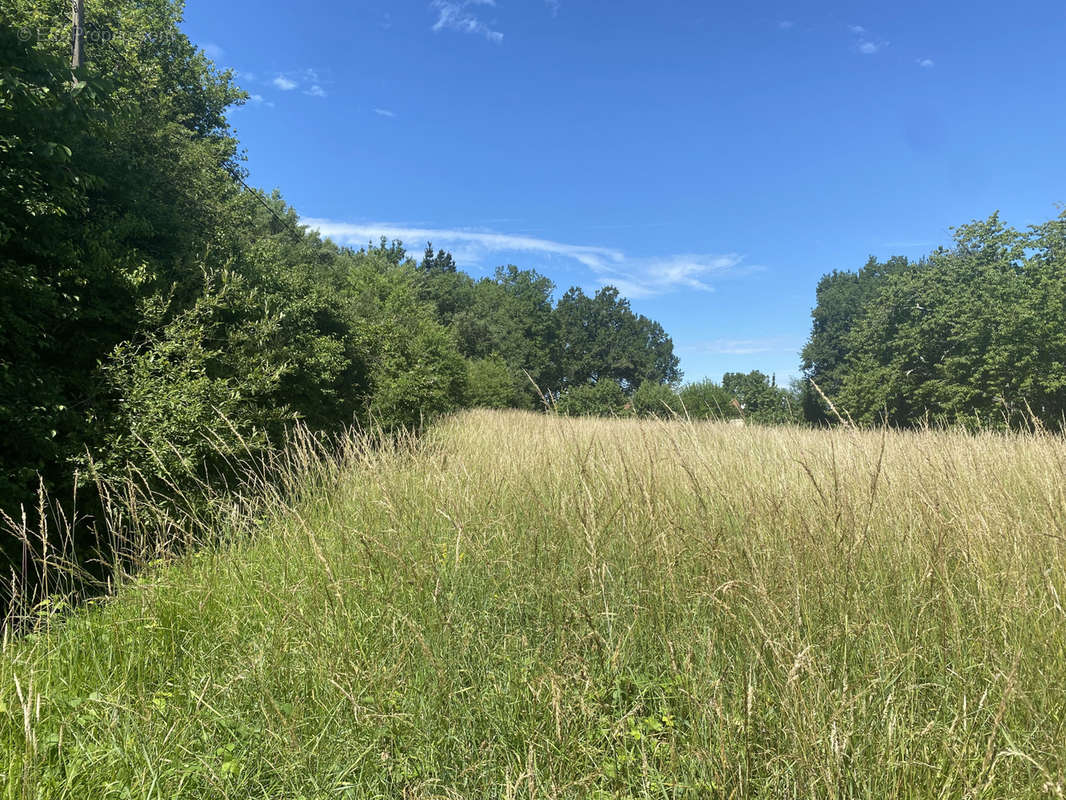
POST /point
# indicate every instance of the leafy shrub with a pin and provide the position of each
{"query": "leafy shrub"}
(707, 400)
(655, 400)
(191, 395)
(489, 383)
(761, 399)
(603, 398)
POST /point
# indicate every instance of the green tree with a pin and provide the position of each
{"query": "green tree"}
(601, 338)
(707, 400)
(413, 369)
(511, 316)
(655, 400)
(442, 261)
(972, 337)
(490, 384)
(842, 299)
(605, 398)
(760, 398)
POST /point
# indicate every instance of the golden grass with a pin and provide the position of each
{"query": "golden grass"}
(535, 606)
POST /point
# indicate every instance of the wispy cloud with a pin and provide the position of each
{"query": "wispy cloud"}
(306, 80)
(634, 277)
(868, 48)
(214, 52)
(865, 43)
(747, 347)
(259, 100)
(456, 15)
(926, 63)
(785, 24)
(384, 112)
(648, 277)
(482, 243)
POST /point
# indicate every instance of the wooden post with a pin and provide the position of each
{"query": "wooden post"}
(78, 21)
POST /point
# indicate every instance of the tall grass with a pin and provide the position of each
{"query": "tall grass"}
(530, 606)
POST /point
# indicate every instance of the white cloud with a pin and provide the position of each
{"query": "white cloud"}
(476, 242)
(305, 79)
(634, 277)
(214, 52)
(786, 24)
(655, 276)
(554, 6)
(259, 100)
(747, 347)
(926, 63)
(455, 15)
(384, 112)
(868, 48)
(865, 44)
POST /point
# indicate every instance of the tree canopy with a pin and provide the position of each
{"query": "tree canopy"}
(973, 335)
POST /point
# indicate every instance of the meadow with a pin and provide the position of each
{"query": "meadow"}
(520, 605)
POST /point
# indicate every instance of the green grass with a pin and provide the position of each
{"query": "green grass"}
(542, 607)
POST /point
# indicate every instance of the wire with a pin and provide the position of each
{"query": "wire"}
(256, 193)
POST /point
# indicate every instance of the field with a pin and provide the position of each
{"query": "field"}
(539, 607)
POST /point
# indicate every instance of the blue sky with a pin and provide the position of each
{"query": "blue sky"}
(711, 162)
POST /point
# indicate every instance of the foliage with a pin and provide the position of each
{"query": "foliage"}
(490, 384)
(192, 395)
(600, 337)
(841, 300)
(760, 398)
(413, 368)
(655, 400)
(707, 400)
(973, 335)
(604, 398)
(510, 315)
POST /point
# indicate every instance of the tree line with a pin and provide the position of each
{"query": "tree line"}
(158, 318)
(972, 335)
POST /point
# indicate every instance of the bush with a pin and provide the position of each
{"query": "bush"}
(761, 398)
(190, 396)
(489, 383)
(707, 400)
(604, 398)
(653, 399)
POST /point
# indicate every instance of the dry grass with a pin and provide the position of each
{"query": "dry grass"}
(529, 606)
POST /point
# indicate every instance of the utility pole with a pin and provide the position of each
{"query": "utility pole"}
(78, 20)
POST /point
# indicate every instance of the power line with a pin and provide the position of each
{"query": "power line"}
(256, 193)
